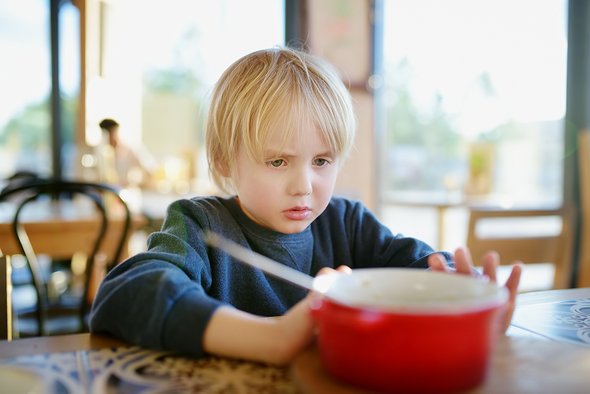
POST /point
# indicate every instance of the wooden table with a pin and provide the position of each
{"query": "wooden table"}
(547, 350)
(519, 365)
(441, 202)
(85, 363)
(56, 344)
(92, 363)
(525, 361)
(558, 315)
(60, 229)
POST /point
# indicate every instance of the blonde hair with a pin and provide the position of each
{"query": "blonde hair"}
(269, 90)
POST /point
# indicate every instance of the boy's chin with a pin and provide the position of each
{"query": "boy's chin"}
(292, 228)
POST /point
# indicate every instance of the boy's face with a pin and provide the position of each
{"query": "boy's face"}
(292, 187)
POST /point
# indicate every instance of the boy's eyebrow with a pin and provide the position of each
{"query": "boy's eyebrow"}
(274, 153)
(327, 153)
(271, 153)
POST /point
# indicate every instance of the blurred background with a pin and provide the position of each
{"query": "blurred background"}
(461, 104)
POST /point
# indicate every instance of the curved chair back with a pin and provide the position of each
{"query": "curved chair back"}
(101, 196)
(5, 299)
(532, 244)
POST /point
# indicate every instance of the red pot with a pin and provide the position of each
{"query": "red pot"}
(407, 330)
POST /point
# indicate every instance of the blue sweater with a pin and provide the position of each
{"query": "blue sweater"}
(163, 298)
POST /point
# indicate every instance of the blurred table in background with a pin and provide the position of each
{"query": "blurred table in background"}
(152, 204)
(57, 229)
(441, 202)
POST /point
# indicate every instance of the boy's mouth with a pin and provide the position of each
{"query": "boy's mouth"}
(297, 213)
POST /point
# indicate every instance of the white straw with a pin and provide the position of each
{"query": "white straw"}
(259, 261)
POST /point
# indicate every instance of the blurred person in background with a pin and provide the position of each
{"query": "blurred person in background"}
(123, 164)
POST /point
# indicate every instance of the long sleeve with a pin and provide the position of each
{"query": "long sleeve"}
(158, 299)
(164, 298)
(350, 234)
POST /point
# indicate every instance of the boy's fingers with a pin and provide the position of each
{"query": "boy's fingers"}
(463, 262)
(491, 261)
(437, 262)
(344, 269)
(341, 269)
(514, 280)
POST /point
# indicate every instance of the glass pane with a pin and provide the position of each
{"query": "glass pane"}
(475, 99)
(157, 76)
(69, 63)
(25, 122)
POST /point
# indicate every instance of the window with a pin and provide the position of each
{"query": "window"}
(25, 114)
(474, 104)
(155, 78)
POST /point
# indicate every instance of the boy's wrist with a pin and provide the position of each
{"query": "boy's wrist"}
(233, 333)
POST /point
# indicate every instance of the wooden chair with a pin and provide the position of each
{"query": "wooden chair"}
(75, 304)
(524, 245)
(5, 298)
(583, 274)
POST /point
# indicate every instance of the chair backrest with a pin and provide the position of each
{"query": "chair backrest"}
(583, 274)
(522, 234)
(102, 196)
(5, 298)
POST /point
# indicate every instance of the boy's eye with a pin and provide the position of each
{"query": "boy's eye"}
(276, 163)
(320, 162)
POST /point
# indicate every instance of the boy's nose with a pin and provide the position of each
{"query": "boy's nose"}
(301, 183)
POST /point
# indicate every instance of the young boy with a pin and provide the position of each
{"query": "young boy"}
(280, 125)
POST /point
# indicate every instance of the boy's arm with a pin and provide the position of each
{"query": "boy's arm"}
(275, 340)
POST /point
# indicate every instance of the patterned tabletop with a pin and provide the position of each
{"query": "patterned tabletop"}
(565, 320)
(518, 364)
(137, 370)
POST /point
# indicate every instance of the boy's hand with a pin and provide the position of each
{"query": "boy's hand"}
(296, 326)
(490, 263)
